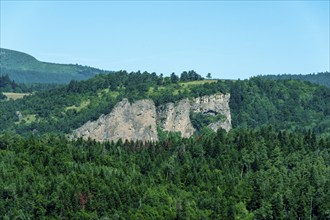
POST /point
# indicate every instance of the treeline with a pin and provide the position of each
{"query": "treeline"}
(2, 96)
(322, 78)
(51, 77)
(9, 85)
(287, 104)
(246, 174)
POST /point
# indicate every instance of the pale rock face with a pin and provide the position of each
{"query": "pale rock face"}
(214, 105)
(175, 117)
(138, 121)
(19, 115)
(126, 121)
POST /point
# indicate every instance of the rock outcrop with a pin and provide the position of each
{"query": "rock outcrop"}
(19, 115)
(127, 121)
(175, 117)
(139, 120)
(214, 105)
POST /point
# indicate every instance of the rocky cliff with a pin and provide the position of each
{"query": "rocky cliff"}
(176, 116)
(138, 121)
(127, 121)
(214, 105)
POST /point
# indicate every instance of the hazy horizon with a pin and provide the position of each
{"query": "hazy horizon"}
(228, 39)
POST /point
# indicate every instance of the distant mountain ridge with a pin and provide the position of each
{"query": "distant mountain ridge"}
(321, 78)
(24, 68)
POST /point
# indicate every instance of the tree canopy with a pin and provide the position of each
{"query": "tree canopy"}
(246, 174)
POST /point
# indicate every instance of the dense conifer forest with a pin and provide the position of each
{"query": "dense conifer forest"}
(245, 174)
(174, 110)
(321, 78)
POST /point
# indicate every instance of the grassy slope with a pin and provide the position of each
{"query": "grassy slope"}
(14, 95)
(181, 87)
(197, 82)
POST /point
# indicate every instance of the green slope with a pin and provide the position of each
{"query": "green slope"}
(24, 68)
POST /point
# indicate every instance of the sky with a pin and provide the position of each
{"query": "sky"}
(229, 39)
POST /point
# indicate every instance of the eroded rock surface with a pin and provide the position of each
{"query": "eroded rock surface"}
(126, 121)
(175, 117)
(214, 105)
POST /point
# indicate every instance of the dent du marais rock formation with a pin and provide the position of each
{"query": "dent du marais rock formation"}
(139, 120)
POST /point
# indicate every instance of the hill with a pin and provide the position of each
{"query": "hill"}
(322, 78)
(24, 68)
(287, 104)
(274, 163)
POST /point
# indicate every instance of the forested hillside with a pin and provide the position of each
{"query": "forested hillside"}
(23, 68)
(274, 164)
(287, 104)
(246, 174)
(190, 141)
(322, 78)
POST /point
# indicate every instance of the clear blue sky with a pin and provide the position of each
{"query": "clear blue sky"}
(228, 39)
